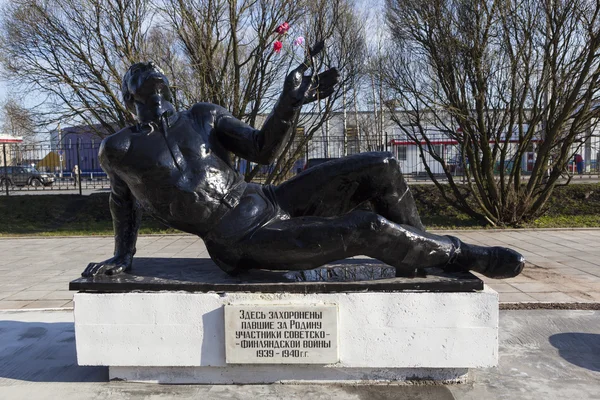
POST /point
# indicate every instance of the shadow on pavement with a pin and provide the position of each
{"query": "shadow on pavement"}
(404, 392)
(581, 349)
(43, 352)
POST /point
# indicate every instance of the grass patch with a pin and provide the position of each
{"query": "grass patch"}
(566, 221)
(574, 206)
(63, 215)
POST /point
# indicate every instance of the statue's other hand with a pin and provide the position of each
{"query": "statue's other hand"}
(300, 89)
(112, 266)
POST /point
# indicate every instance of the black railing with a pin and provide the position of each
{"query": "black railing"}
(50, 168)
(75, 167)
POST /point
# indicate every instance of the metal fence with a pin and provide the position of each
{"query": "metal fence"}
(413, 163)
(75, 167)
(50, 168)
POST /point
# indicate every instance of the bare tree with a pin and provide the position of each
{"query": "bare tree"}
(502, 79)
(18, 121)
(75, 53)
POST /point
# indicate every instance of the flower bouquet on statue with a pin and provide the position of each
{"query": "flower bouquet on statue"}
(297, 43)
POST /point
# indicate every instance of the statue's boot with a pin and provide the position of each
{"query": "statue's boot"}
(493, 262)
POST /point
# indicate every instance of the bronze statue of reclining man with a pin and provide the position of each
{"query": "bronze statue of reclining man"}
(177, 167)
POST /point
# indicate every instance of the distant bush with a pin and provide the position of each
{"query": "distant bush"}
(567, 202)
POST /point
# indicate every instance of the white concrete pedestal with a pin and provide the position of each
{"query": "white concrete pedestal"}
(178, 337)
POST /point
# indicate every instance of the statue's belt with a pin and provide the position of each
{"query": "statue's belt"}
(230, 200)
(233, 196)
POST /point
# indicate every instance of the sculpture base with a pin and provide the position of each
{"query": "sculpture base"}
(179, 321)
(287, 374)
(431, 328)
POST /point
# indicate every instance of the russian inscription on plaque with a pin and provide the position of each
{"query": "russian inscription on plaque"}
(257, 334)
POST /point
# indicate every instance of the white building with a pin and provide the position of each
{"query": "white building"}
(7, 142)
(365, 131)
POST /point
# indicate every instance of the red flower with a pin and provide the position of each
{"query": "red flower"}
(283, 28)
(277, 46)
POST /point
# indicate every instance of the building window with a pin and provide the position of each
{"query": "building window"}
(401, 153)
(352, 140)
(438, 150)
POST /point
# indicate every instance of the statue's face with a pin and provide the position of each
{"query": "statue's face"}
(145, 81)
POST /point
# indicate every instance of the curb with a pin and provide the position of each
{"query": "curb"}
(15, 310)
(550, 306)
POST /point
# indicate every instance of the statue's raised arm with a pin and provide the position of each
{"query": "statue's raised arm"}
(264, 145)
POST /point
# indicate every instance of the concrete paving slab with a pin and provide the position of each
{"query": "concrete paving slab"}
(58, 285)
(594, 295)
(41, 304)
(28, 295)
(556, 297)
(59, 295)
(12, 304)
(534, 287)
(504, 288)
(4, 295)
(515, 298)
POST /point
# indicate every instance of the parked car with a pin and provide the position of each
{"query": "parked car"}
(313, 162)
(23, 176)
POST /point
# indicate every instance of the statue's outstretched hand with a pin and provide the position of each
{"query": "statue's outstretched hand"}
(302, 89)
(112, 266)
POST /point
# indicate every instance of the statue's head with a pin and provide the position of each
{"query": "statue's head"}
(145, 84)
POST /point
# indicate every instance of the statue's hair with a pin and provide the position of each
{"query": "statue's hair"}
(127, 98)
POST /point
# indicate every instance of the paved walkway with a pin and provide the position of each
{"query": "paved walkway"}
(563, 265)
(543, 354)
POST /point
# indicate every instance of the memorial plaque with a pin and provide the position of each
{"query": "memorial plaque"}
(298, 334)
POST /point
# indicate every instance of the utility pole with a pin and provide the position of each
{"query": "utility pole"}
(381, 116)
(345, 120)
(5, 167)
(327, 131)
(79, 166)
(60, 151)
